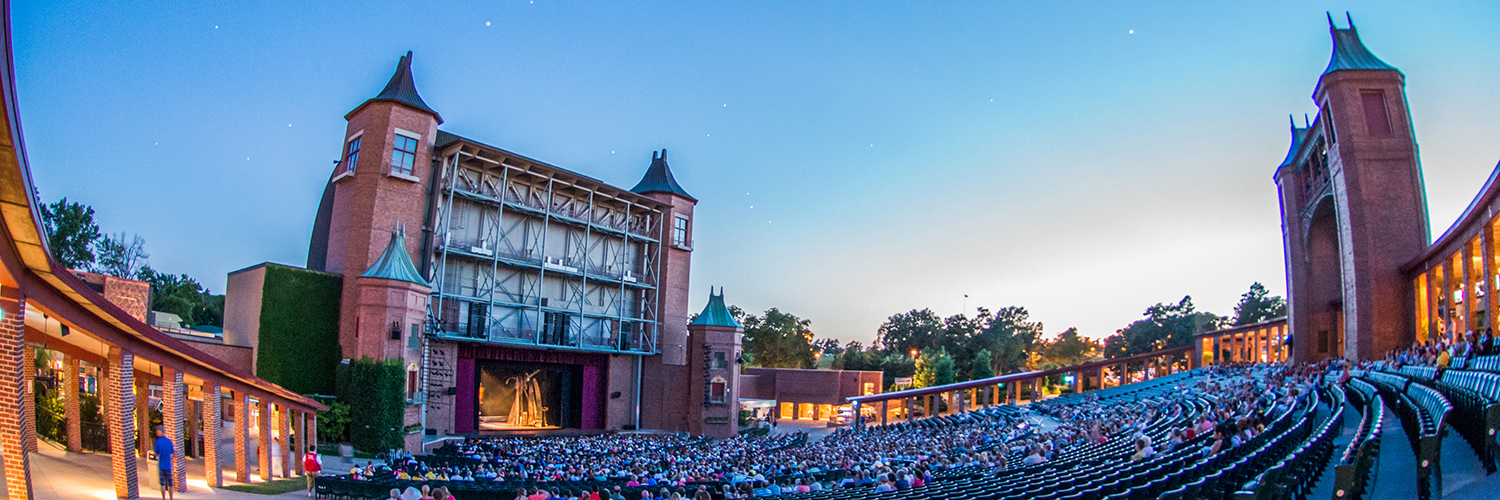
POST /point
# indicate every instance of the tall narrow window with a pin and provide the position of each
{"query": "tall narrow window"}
(403, 155)
(1327, 119)
(680, 231)
(414, 340)
(720, 361)
(718, 390)
(1377, 118)
(351, 155)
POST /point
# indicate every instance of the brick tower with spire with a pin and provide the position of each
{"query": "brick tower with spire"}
(1353, 209)
(664, 378)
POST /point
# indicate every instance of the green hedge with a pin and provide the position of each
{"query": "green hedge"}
(299, 329)
(376, 394)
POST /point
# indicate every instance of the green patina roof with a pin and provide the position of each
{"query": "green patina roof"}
(1349, 52)
(395, 263)
(716, 313)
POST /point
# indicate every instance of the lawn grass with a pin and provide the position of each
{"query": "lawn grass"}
(275, 487)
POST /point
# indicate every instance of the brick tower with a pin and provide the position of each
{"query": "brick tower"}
(1353, 210)
(663, 377)
(714, 340)
(382, 181)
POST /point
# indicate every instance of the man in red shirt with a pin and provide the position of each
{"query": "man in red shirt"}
(313, 465)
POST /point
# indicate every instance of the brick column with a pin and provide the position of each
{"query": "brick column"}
(283, 427)
(142, 396)
(301, 420)
(312, 431)
(173, 403)
(12, 428)
(263, 447)
(241, 437)
(28, 383)
(120, 411)
(212, 420)
(71, 412)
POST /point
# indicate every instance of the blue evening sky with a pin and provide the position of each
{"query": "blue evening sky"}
(852, 159)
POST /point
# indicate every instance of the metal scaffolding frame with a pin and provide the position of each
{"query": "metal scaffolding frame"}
(598, 292)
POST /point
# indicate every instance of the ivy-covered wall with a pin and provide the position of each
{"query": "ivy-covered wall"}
(376, 394)
(299, 329)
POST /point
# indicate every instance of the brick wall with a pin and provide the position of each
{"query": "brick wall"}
(71, 407)
(173, 402)
(212, 420)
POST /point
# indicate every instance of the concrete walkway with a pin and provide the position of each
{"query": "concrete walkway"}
(57, 474)
(1396, 476)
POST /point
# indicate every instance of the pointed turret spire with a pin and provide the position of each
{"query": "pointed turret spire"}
(1349, 53)
(659, 178)
(401, 89)
(1298, 135)
(716, 313)
(395, 263)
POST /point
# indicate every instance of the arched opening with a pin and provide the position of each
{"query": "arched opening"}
(1325, 326)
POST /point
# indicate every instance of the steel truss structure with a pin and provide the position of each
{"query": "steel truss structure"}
(528, 253)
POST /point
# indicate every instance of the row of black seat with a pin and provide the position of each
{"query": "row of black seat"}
(1352, 475)
(1423, 412)
(1476, 399)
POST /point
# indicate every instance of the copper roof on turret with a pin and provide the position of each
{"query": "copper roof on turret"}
(1349, 52)
(716, 313)
(659, 179)
(1298, 136)
(395, 263)
(401, 89)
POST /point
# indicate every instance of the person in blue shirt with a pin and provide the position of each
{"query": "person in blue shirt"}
(164, 450)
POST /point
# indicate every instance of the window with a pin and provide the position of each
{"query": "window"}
(869, 388)
(1377, 120)
(720, 361)
(411, 381)
(412, 340)
(1327, 119)
(351, 155)
(395, 330)
(718, 390)
(680, 231)
(403, 155)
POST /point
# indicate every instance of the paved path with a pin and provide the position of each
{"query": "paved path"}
(57, 474)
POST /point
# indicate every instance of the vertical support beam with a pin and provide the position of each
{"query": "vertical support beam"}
(1466, 257)
(1433, 292)
(143, 435)
(173, 401)
(300, 418)
(284, 438)
(119, 406)
(213, 420)
(12, 428)
(241, 437)
(1487, 266)
(72, 412)
(263, 445)
(28, 407)
(1450, 321)
(885, 411)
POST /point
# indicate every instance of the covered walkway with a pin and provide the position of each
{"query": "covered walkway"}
(44, 305)
(1010, 389)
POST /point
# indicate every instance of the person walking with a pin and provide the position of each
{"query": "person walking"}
(312, 464)
(164, 451)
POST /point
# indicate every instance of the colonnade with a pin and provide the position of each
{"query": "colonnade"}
(1258, 343)
(902, 406)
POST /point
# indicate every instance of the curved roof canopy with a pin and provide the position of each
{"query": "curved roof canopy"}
(401, 89)
(395, 263)
(659, 179)
(716, 313)
(1350, 53)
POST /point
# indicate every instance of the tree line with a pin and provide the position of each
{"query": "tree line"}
(78, 243)
(934, 350)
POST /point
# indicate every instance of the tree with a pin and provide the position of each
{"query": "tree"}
(1009, 335)
(828, 347)
(980, 366)
(910, 331)
(71, 233)
(180, 294)
(1256, 306)
(779, 340)
(1069, 349)
(120, 256)
(1165, 325)
(934, 367)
